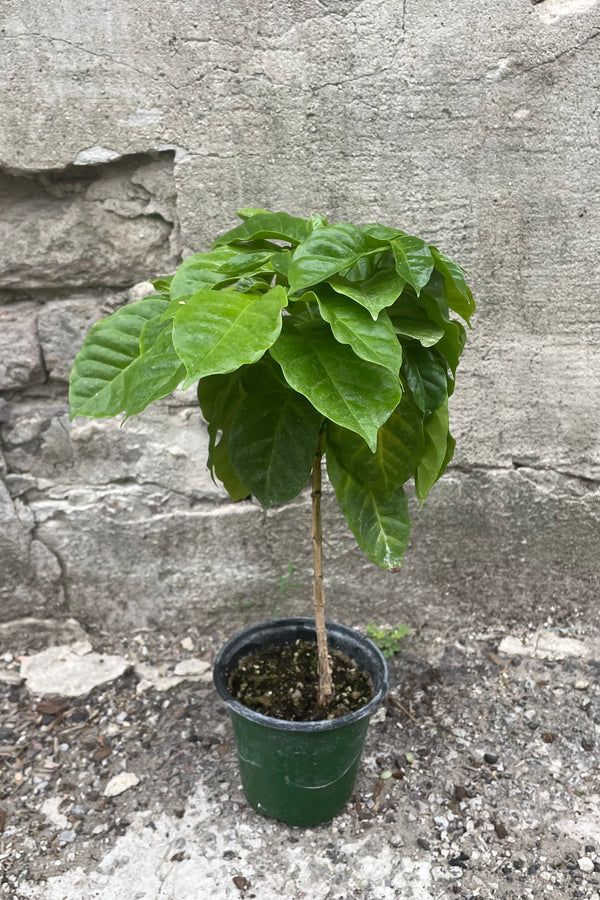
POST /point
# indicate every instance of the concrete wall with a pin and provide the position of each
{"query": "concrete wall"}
(130, 131)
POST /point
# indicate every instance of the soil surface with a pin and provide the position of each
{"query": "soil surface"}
(480, 779)
(282, 682)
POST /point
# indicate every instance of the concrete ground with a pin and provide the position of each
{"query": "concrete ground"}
(480, 775)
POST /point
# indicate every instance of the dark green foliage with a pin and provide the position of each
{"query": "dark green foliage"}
(295, 329)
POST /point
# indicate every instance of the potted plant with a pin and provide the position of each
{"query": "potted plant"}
(306, 340)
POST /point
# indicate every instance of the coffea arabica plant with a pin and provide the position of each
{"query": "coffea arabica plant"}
(305, 340)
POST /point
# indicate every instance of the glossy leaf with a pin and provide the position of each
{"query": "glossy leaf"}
(434, 302)
(151, 331)
(201, 270)
(218, 331)
(281, 262)
(219, 397)
(273, 440)
(433, 461)
(380, 233)
(414, 262)
(400, 446)
(426, 377)
(458, 293)
(372, 281)
(352, 324)
(425, 332)
(378, 518)
(326, 252)
(111, 374)
(348, 390)
(276, 225)
(247, 263)
(154, 374)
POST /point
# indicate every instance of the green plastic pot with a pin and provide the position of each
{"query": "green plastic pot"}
(302, 773)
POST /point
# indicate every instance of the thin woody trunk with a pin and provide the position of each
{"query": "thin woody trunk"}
(325, 694)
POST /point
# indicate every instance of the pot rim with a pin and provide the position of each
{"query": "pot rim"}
(240, 644)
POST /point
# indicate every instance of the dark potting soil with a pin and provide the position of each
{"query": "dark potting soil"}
(281, 681)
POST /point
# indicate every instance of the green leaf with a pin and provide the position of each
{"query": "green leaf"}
(218, 331)
(219, 397)
(326, 252)
(273, 438)
(434, 302)
(372, 281)
(352, 324)
(414, 262)
(249, 284)
(378, 518)
(281, 262)
(426, 377)
(248, 211)
(316, 221)
(458, 293)
(400, 445)
(433, 461)
(150, 332)
(111, 374)
(348, 390)
(201, 270)
(380, 233)
(162, 285)
(423, 332)
(248, 263)
(278, 225)
(154, 374)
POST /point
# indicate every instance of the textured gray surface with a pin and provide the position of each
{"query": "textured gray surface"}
(130, 132)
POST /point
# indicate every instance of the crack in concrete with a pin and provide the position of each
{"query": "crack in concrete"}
(557, 56)
(587, 481)
(83, 49)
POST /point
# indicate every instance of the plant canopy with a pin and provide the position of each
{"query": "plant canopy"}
(300, 335)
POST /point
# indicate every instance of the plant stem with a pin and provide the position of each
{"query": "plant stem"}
(325, 693)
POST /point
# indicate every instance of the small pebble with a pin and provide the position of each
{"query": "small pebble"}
(491, 758)
(585, 864)
(187, 643)
(581, 685)
(423, 843)
(119, 783)
(587, 743)
(500, 830)
(67, 836)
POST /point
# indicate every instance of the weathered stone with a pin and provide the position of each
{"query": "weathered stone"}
(157, 561)
(544, 646)
(119, 783)
(152, 678)
(166, 445)
(92, 226)
(64, 671)
(31, 633)
(63, 325)
(20, 359)
(30, 574)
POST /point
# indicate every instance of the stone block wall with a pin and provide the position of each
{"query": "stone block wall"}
(131, 132)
